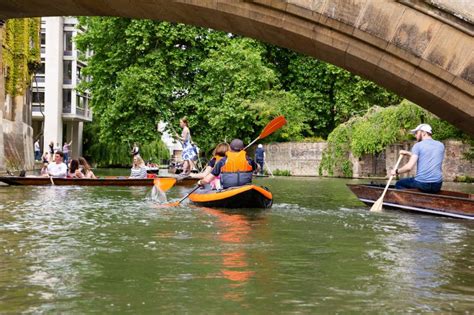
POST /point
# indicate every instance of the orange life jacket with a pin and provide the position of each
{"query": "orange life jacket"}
(236, 171)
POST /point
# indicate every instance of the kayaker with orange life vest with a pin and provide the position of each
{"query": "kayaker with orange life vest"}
(235, 169)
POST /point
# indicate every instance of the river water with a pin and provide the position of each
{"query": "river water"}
(318, 249)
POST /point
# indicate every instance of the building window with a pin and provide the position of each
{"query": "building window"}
(68, 43)
(43, 37)
(67, 71)
(80, 105)
(38, 97)
(41, 69)
(67, 95)
(79, 74)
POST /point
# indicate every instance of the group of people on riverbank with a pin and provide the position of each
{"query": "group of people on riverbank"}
(48, 156)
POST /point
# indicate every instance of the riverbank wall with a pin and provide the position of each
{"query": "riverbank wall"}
(16, 133)
(304, 159)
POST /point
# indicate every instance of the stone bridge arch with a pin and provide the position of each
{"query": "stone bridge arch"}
(422, 50)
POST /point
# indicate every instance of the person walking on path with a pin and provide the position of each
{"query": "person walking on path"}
(260, 157)
(428, 155)
(37, 150)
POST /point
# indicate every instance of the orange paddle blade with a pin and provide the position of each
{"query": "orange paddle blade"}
(272, 126)
(164, 184)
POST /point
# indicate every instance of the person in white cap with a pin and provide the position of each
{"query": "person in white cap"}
(260, 157)
(428, 155)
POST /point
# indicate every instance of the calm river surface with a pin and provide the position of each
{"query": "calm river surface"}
(112, 250)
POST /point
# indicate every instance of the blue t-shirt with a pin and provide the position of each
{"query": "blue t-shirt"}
(430, 161)
(259, 154)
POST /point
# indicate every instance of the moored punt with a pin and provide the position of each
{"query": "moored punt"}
(446, 203)
(248, 196)
(102, 181)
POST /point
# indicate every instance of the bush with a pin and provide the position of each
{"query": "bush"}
(278, 172)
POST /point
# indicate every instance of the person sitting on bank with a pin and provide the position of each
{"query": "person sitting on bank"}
(235, 169)
(74, 171)
(86, 168)
(218, 153)
(57, 168)
(428, 155)
(138, 169)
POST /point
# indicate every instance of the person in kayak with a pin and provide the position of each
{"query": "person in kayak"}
(235, 169)
(218, 153)
(428, 155)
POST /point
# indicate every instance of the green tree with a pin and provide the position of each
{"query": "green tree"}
(231, 80)
(329, 95)
(147, 71)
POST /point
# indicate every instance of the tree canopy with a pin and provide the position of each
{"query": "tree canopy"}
(143, 72)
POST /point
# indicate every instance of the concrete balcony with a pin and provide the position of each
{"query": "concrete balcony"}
(68, 113)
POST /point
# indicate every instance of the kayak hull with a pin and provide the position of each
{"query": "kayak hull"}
(248, 196)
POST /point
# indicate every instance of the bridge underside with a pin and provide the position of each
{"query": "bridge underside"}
(423, 57)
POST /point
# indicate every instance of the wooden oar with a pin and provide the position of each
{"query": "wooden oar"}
(164, 183)
(377, 206)
(270, 128)
(51, 179)
(176, 203)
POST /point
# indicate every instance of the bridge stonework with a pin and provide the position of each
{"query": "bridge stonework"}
(415, 48)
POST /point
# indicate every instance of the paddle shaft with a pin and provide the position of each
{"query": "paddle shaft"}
(250, 144)
(193, 190)
(378, 204)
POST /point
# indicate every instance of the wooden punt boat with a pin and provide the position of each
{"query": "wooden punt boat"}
(102, 181)
(446, 203)
(248, 196)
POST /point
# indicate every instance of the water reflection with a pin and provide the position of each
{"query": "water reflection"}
(417, 258)
(233, 231)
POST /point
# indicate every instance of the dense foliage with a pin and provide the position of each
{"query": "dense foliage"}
(21, 53)
(373, 132)
(119, 155)
(145, 71)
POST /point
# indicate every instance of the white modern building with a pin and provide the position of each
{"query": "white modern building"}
(55, 99)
